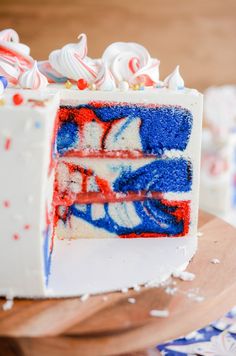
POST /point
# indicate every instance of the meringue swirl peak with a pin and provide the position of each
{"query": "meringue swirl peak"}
(33, 79)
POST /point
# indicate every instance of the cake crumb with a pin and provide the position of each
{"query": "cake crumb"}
(215, 261)
(136, 288)
(84, 297)
(105, 298)
(159, 313)
(171, 290)
(8, 304)
(124, 290)
(184, 275)
(199, 234)
(131, 300)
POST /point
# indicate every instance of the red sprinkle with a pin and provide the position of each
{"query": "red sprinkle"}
(82, 84)
(26, 227)
(16, 237)
(7, 144)
(17, 99)
(6, 204)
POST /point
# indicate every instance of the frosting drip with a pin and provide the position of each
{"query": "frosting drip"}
(72, 62)
(131, 62)
(174, 80)
(105, 79)
(14, 56)
(33, 79)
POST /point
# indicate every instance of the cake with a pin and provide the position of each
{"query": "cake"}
(100, 164)
(218, 173)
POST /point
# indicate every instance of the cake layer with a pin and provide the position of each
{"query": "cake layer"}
(100, 128)
(132, 219)
(85, 180)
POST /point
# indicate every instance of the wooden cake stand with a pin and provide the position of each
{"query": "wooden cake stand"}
(110, 325)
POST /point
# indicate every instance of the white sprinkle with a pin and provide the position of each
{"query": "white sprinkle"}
(159, 313)
(184, 275)
(199, 234)
(131, 300)
(124, 290)
(215, 261)
(84, 297)
(30, 199)
(8, 304)
(105, 298)
(136, 287)
(123, 85)
(220, 325)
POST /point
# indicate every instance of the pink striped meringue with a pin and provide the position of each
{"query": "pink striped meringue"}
(72, 62)
(33, 79)
(131, 62)
(105, 79)
(14, 56)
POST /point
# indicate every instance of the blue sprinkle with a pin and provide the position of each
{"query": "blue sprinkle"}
(4, 81)
(37, 124)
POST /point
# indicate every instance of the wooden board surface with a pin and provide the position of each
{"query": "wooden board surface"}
(114, 326)
(198, 35)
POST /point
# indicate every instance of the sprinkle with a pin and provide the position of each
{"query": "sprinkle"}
(92, 86)
(37, 124)
(184, 275)
(6, 204)
(4, 81)
(8, 304)
(68, 84)
(7, 144)
(136, 287)
(17, 99)
(16, 237)
(215, 261)
(82, 84)
(159, 313)
(131, 300)
(135, 87)
(124, 290)
(123, 85)
(27, 227)
(2, 102)
(84, 297)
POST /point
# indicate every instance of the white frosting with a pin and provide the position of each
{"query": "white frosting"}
(131, 62)
(72, 62)
(33, 79)
(105, 79)
(174, 81)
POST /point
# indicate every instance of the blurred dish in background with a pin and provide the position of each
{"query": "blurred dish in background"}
(218, 168)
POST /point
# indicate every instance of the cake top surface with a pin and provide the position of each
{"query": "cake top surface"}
(123, 66)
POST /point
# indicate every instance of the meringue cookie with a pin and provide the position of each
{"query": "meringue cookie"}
(33, 79)
(72, 62)
(174, 81)
(105, 80)
(131, 62)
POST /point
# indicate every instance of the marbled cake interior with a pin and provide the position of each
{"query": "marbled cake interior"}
(117, 163)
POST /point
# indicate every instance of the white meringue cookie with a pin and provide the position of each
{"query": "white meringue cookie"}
(131, 62)
(33, 79)
(72, 62)
(174, 81)
(105, 79)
